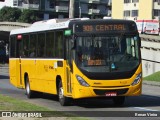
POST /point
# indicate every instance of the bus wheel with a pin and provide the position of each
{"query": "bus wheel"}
(29, 92)
(119, 101)
(62, 99)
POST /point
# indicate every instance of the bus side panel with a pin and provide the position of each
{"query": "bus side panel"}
(40, 80)
(59, 71)
(28, 67)
(14, 71)
(42, 74)
(46, 76)
(53, 74)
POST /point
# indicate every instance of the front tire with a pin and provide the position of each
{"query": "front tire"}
(29, 92)
(64, 101)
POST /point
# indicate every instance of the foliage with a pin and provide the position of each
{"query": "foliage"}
(8, 103)
(28, 16)
(12, 104)
(153, 77)
(9, 14)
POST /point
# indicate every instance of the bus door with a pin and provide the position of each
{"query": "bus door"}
(19, 48)
(68, 67)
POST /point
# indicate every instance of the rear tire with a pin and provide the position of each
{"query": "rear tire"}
(64, 101)
(119, 101)
(29, 92)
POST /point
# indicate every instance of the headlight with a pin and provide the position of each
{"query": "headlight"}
(82, 81)
(137, 80)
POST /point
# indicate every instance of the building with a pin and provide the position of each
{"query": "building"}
(136, 9)
(93, 8)
(48, 9)
(6, 3)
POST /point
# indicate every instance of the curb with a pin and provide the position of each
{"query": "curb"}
(152, 83)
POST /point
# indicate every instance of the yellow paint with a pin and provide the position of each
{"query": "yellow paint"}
(117, 9)
(84, 92)
(145, 9)
(42, 76)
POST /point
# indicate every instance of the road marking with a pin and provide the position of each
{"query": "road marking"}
(145, 109)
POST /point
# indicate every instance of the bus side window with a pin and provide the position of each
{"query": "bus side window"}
(59, 44)
(50, 49)
(32, 46)
(25, 46)
(12, 47)
(69, 50)
(41, 45)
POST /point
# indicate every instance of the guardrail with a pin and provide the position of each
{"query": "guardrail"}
(150, 43)
(8, 26)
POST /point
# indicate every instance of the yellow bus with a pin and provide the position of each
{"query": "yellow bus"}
(77, 58)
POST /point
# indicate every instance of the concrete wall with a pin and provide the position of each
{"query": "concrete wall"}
(150, 62)
(150, 54)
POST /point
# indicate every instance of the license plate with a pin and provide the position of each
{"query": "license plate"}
(111, 94)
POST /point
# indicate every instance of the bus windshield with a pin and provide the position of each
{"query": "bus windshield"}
(107, 53)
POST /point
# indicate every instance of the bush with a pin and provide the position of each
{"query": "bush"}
(16, 15)
(10, 14)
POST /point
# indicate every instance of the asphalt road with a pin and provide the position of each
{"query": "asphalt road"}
(148, 102)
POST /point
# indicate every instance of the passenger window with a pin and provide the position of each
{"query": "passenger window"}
(25, 46)
(12, 47)
(59, 44)
(50, 51)
(32, 46)
(41, 45)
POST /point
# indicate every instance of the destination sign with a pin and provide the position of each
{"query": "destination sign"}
(104, 27)
(101, 28)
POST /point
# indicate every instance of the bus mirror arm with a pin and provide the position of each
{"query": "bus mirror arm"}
(139, 42)
(71, 68)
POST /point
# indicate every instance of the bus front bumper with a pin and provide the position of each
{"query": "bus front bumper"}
(88, 92)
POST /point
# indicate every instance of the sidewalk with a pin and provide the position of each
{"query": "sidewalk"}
(153, 83)
(4, 68)
(3, 65)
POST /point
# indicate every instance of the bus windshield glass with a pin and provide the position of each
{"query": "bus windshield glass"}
(107, 53)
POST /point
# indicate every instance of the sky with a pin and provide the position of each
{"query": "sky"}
(6, 3)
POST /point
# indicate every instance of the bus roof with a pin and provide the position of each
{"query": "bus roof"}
(45, 25)
(53, 24)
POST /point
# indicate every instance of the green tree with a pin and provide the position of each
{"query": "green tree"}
(9, 14)
(28, 16)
